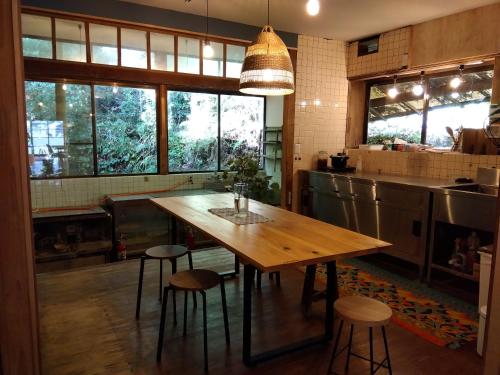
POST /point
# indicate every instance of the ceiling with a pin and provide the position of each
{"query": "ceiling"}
(338, 19)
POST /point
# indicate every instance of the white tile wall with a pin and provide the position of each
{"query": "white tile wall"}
(425, 164)
(320, 99)
(76, 192)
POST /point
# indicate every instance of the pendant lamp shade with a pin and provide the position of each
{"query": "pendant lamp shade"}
(267, 68)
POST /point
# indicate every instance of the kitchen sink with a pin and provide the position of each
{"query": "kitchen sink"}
(475, 188)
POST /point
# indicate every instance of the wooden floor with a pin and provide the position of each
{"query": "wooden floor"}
(88, 327)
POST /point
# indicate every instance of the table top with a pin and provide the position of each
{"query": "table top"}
(288, 240)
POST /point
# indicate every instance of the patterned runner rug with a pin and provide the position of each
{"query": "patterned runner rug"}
(434, 316)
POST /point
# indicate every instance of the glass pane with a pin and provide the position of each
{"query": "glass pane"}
(188, 60)
(234, 60)
(192, 131)
(162, 52)
(37, 36)
(59, 125)
(241, 126)
(70, 40)
(103, 44)
(399, 117)
(467, 105)
(214, 65)
(134, 50)
(126, 130)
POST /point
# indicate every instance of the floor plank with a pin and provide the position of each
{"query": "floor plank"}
(88, 327)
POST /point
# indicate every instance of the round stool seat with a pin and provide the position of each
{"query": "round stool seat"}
(363, 311)
(166, 251)
(194, 280)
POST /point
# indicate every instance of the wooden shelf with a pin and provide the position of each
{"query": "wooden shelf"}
(454, 272)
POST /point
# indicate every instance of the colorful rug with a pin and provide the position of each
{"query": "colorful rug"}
(438, 322)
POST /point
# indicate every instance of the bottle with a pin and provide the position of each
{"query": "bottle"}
(121, 250)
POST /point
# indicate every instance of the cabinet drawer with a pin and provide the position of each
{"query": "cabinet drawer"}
(401, 197)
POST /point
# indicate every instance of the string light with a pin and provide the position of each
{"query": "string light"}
(312, 7)
(418, 89)
(393, 91)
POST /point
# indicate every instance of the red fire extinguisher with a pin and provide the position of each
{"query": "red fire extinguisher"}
(121, 249)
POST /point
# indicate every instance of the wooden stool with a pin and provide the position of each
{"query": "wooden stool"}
(272, 276)
(195, 281)
(171, 253)
(363, 312)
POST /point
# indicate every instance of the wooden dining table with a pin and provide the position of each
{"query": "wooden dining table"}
(288, 240)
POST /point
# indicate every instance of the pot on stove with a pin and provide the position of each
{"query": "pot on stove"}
(339, 161)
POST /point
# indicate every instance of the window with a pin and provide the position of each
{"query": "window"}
(103, 41)
(467, 106)
(241, 126)
(70, 40)
(192, 131)
(37, 36)
(368, 46)
(162, 52)
(403, 116)
(59, 124)
(200, 138)
(133, 48)
(188, 59)
(214, 65)
(126, 138)
(234, 60)
(399, 117)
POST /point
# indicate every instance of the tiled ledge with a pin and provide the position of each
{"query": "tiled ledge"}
(425, 164)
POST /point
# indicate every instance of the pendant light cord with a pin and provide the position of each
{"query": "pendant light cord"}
(206, 26)
(268, 12)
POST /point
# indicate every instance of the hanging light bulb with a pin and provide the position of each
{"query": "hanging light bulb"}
(208, 51)
(393, 91)
(115, 89)
(418, 89)
(455, 95)
(267, 68)
(312, 7)
(64, 87)
(457, 81)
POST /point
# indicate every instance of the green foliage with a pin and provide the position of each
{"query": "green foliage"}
(246, 169)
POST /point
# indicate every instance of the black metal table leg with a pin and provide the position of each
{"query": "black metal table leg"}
(371, 351)
(161, 279)
(174, 270)
(184, 330)
(236, 265)
(224, 309)
(259, 279)
(308, 288)
(248, 276)
(388, 358)
(139, 288)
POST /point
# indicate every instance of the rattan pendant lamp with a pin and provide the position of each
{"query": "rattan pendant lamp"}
(267, 68)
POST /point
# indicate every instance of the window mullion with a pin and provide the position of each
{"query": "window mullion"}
(425, 110)
(218, 133)
(94, 131)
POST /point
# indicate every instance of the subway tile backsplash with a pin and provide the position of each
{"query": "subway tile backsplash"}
(77, 192)
(425, 164)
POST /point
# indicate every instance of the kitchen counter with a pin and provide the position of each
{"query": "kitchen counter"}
(425, 182)
(173, 193)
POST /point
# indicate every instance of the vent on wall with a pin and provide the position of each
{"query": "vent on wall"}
(368, 46)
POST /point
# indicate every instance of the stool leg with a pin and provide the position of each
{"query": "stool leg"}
(224, 309)
(205, 349)
(271, 275)
(346, 368)
(174, 270)
(387, 351)
(190, 258)
(371, 351)
(185, 312)
(139, 288)
(161, 279)
(337, 339)
(278, 279)
(162, 323)
(259, 279)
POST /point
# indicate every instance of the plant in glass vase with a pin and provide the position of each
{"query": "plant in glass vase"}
(246, 169)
